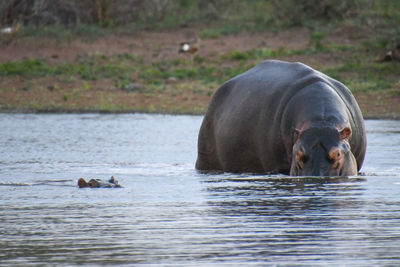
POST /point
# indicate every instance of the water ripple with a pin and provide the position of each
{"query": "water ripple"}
(168, 214)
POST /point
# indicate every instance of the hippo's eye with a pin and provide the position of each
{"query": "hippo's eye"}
(335, 154)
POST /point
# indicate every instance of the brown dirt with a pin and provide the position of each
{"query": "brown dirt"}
(379, 105)
(155, 46)
(150, 45)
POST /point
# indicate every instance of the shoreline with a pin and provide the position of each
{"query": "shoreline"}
(122, 112)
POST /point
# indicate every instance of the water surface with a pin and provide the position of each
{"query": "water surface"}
(170, 215)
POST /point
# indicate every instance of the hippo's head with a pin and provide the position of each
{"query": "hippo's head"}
(322, 151)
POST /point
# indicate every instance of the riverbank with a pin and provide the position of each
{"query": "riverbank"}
(143, 71)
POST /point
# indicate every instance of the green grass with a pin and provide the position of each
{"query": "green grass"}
(129, 72)
(60, 33)
(29, 67)
(92, 68)
(362, 76)
(211, 33)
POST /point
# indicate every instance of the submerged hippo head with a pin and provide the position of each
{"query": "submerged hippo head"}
(93, 183)
(96, 183)
(323, 152)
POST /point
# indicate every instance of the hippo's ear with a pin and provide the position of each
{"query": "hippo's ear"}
(82, 183)
(345, 133)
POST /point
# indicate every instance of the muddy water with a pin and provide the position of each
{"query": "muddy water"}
(170, 215)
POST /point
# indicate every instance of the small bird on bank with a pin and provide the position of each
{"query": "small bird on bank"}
(8, 34)
(190, 47)
(392, 55)
(11, 30)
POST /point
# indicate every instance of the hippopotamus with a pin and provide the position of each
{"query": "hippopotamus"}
(97, 183)
(282, 117)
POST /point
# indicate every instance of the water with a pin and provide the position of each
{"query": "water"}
(168, 214)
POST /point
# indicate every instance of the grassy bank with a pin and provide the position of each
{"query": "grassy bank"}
(129, 68)
(162, 81)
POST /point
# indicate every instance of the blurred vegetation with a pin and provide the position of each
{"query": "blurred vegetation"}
(90, 19)
(94, 17)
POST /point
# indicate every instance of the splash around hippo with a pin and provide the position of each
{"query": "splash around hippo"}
(282, 117)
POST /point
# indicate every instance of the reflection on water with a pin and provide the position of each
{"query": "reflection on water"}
(170, 215)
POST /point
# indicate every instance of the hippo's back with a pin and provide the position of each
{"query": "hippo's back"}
(275, 82)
